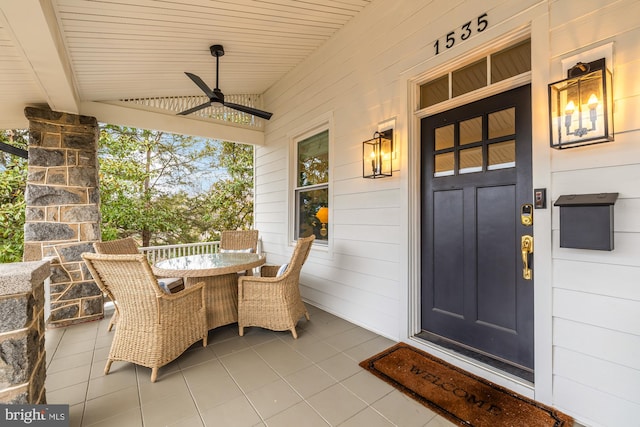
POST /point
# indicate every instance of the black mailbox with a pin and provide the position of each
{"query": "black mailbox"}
(586, 221)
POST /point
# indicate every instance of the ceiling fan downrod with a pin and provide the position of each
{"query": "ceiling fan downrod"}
(217, 50)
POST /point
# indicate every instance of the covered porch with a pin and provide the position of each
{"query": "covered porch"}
(347, 69)
(262, 378)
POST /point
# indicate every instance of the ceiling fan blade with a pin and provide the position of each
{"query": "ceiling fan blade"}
(201, 84)
(194, 109)
(249, 110)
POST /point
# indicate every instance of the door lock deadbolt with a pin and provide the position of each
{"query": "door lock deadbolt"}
(526, 214)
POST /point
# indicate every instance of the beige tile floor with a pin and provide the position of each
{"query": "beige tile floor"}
(265, 378)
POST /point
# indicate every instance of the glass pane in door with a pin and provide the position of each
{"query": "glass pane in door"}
(471, 160)
(444, 137)
(502, 155)
(502, 123)
(444, 164)
(471, 130)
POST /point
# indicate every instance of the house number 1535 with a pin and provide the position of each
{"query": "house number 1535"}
(466, 32)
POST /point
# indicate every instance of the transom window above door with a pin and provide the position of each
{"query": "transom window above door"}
(494, 68)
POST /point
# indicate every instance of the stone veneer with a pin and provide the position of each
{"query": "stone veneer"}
(63, 209)
(22, 352)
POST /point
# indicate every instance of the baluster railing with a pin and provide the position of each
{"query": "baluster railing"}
(158, 253)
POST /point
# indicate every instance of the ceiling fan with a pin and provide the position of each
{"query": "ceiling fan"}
(216, 95)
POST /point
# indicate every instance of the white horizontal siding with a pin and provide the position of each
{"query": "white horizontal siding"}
(625, 252)
(388, 252)
(382, 198)
(273, 165)
(604, 19)
(618, 314)
(602, 343)
(359, 283)
(596, 297)
(595, 408)
(618, 152)
(617, 380)
(359, 277)
(621, 179)
(597, 278)
(353, 306)
(360, 77)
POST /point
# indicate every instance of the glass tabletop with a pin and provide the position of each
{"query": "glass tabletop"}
(208, 261)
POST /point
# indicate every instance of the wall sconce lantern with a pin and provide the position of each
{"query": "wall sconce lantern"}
(377, 154)
(323, 217)
(581, 106)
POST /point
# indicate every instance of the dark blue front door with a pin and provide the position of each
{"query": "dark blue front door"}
(476, 176)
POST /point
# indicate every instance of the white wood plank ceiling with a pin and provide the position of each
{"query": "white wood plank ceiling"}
(122, 49)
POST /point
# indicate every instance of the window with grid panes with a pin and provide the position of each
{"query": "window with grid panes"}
(312, 185)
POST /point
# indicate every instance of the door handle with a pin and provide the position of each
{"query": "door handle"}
(527, 248)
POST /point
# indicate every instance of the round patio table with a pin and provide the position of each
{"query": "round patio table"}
(219, 272)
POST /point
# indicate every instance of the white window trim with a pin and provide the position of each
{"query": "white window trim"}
(319, 124)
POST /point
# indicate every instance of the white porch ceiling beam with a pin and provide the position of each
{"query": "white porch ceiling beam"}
(124, 116)
(35, 29)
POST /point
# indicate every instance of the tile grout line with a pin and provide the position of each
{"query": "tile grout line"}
(338, 381)
(303, 399)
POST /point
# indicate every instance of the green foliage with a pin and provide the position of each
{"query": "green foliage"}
(13, 179)
(144, 178)
(229, 203)
(160, 188)
(149, 186)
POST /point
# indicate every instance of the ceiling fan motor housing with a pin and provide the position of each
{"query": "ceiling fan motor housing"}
(219, 96)
(217, 50)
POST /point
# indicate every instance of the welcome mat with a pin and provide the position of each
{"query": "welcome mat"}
(461, 397)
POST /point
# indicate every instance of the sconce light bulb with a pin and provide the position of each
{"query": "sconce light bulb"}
(593, 101)
(570, 108)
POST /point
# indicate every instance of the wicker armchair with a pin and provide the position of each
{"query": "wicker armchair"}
(117, 247)
(154, 327)
(274, 302)
(128, 246)
(239, 240)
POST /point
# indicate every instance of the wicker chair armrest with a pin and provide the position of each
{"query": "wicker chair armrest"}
(190, 299)
(257, 287)
(269, 270)
(258, 281)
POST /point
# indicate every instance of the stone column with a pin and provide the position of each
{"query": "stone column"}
(22, 351)
(63, 208)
